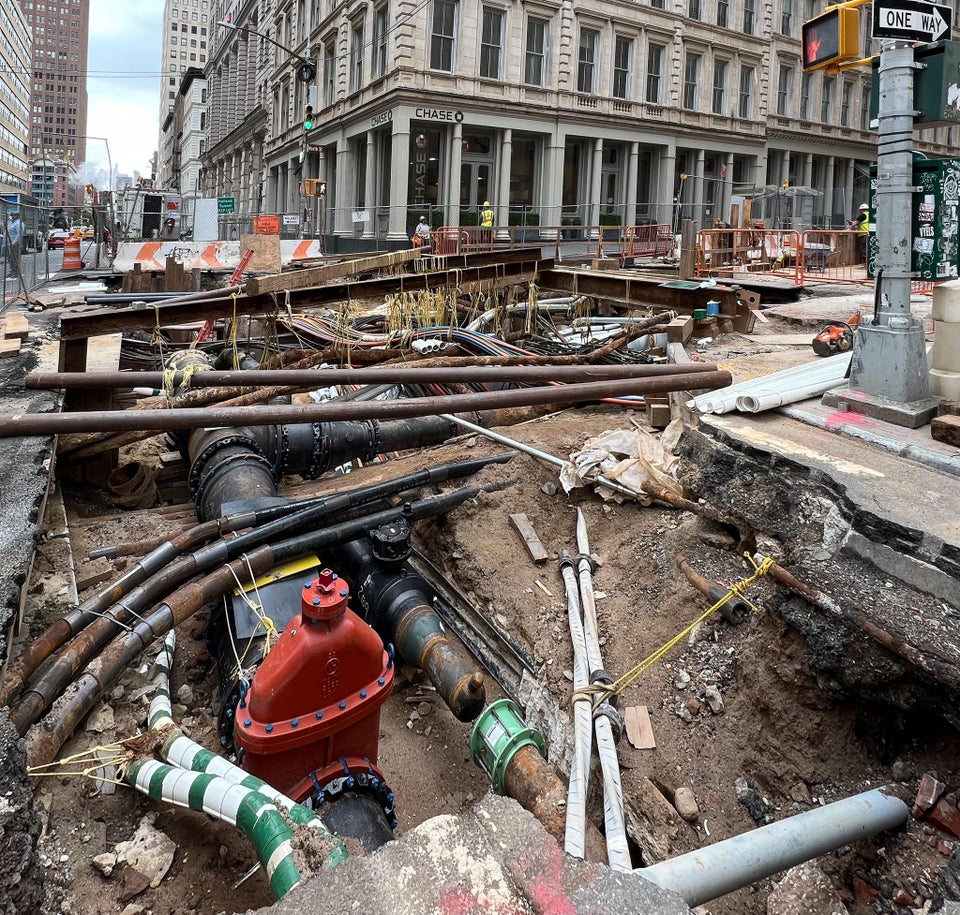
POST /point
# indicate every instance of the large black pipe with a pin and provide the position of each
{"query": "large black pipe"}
(397, 602)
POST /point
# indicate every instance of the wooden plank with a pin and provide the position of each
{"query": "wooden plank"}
(679, 330)
(9, 348)
(946, 429)
(16, 325)
(639, 729)
(530, 539)
(319, 276)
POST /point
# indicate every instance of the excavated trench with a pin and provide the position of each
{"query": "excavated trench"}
(791, 709)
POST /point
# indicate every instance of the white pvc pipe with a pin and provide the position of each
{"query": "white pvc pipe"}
(576, 828)
(830, 371)
(717, 869)
(618, 850)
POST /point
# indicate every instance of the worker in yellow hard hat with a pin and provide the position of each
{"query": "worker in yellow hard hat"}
(486, 223)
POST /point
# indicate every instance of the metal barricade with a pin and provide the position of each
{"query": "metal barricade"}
(656, 240)
(736, 252)
(834, 256)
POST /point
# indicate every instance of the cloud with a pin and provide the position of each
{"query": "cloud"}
(123, 88)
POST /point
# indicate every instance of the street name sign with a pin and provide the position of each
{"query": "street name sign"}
(226, 204)
(911, 20)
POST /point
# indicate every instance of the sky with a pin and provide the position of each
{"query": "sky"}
(123, 85)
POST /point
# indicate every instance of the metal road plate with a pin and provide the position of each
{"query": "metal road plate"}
(912, 20)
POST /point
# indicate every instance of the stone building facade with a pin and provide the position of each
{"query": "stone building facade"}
(558, 112)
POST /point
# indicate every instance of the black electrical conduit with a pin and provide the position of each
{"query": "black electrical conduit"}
(95, 628)
(45, 742)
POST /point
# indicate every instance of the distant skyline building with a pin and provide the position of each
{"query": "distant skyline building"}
(15, 56)
(184, 46)
(58, 120)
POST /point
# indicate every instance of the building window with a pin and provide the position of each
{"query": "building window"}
(691, 80)
(786, 17)
(783, 90)
(491, 39)
(845, 103)
(622, 66)
(444, 32)
(655, 54)
(329, 73)
(356, 72)
(657, 4)
(720, 68)
(805, 97)
(694, 9)
(865, 109)
(380, 42)
(745, 107)
(826, 99)
(723, 13)
(749, 14)
(534, 67)
(586, 69)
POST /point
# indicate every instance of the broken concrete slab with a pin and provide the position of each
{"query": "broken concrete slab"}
(496, 858)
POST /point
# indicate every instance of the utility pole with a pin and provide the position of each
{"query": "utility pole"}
(888, 373)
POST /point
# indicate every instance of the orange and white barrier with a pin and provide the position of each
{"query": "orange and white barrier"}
(217, 255)
(71, 254)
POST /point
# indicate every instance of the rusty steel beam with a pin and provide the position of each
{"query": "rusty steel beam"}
(638, 292)
(272, 414)
(521, 264)
(250, 378)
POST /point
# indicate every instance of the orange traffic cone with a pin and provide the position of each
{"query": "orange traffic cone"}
(71, 254)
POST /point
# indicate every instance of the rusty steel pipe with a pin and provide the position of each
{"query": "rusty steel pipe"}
(21, 424)
(465, 374)
(734, 611)
(531, 781)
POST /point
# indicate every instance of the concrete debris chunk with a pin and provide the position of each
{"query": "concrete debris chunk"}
(714, 700)
(150, 851)
(101, 721)
(805, 890)
(104, 863)
(686, 803)
(929, 792)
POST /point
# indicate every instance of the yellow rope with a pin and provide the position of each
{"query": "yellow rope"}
(116, 754)
(597, 692)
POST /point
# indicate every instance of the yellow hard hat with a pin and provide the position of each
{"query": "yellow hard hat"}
(486, 203)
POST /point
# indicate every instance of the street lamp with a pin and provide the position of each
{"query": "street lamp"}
(307, 69)
(113, 224)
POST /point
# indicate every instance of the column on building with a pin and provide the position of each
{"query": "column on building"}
(454, 160)
(346, 181)
(726, 188)
(271, 201)
(400, 157)
(786, 163)
(806, 179)
(633, 163)
(666, 177)
(828, 204)
(501, 205)
(551, 208)
(698, 181)
(369, 187)
(596, 186)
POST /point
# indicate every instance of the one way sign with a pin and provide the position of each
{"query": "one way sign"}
(911, 20)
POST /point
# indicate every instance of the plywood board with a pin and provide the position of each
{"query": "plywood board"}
(266, 252)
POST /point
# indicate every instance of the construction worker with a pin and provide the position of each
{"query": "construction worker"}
(14, 236)
(421, 235)
(486, 223)
(861, 222)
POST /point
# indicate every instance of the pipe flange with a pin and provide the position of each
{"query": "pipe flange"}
(241, 458)
(373, 439)
(356, 781)
(201, 460)
(317, 458)
(282, 452)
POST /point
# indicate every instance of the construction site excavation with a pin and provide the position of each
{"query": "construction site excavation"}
(479, 583)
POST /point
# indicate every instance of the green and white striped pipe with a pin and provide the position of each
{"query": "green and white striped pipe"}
(259, 820)
(181, 752)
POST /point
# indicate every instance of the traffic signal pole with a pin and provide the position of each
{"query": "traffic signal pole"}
(888, 372)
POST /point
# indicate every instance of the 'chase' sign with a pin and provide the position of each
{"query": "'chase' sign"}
(438, 114)
(384, 117)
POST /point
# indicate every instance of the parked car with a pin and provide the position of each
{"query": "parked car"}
(57, 238)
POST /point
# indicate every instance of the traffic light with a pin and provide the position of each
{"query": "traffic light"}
(308, 118)
(831, 38)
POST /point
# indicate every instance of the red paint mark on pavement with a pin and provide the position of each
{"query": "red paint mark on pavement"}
(546, 892)
(462, 901)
